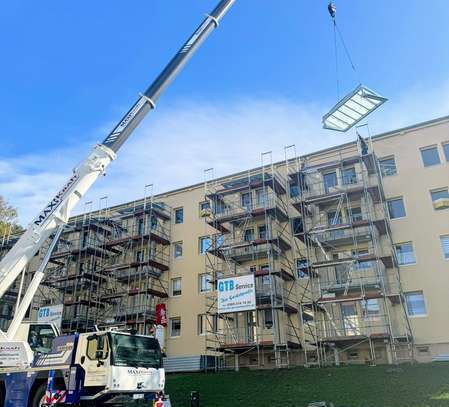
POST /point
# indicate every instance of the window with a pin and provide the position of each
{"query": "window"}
(446, 151)
(302, 268)
(204, 283)
(175, 327)
(204, 208)
(205, 244)
(430, 156)
(248, 235)
(177, 250)
(139, 256)
(349, 176)
(355, 214)
(84, 238)
(207, 323)
(153, 222)
(268, 318)
(97, 348)
(40, 338)
(396, 208)
(246, 200)
(415, 304)
(332, 219)
(297, 226)
(405, 253)
(140, 227)
(204, 205)
(262, 232)
(176, 287)
(387, 166)
(81, 268)
(261, 197)
(179, 215)
(445, 246)
(294, 191)
(371, 309)
(329, 180)
(440, 194)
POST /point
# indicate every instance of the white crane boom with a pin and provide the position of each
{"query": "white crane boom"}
(58, 211)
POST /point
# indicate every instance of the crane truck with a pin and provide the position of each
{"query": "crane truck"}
(40, 367)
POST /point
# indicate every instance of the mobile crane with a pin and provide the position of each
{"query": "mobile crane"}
(37, 365)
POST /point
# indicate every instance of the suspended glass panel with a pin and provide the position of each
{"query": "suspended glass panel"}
(352, 108)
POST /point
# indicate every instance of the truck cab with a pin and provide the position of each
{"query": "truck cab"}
(119, 367)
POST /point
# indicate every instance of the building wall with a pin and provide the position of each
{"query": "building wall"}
(422, 225)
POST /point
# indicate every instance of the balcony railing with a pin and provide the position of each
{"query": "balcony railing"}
(345, 235)
(372, 325)
(268, 201)
(340, 184)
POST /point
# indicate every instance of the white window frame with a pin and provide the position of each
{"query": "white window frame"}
(442, 246)
(171, 320)
(390, 157)
(200, 240)
(208, 282)
(181, 208)
(174, 250)
(172, 281)
(424, 301)
(443, 145)
(403, 203)
(414, 253)
(446, 189)
(432, 147)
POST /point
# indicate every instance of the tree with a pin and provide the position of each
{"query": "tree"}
(8, 219)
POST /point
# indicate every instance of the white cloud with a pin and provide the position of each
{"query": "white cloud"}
(174, 146)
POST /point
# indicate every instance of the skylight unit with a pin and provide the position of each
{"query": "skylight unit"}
(352, 108)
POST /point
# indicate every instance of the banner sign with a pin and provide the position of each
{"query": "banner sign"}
(161, 315)
(236, 294)
(51, 314)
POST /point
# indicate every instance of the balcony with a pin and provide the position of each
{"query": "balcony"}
(357, 277)
(267, 203)
(321, 192)
(88, 246)
(344, 235)
(353, 328)
(275, 296)
(158, 209)
(140, 231)
(242, 339)
(275, 182)
(157, 262)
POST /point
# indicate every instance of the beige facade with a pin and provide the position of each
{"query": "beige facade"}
(349, 248)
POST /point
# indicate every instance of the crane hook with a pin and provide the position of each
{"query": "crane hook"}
(332, 8)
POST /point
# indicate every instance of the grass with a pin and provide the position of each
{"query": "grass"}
(425, 385)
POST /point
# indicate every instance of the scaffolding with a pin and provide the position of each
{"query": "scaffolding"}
(351, 299)
(250, 217)
(109, 266)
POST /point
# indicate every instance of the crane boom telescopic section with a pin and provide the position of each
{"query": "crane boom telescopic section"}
(58, 211)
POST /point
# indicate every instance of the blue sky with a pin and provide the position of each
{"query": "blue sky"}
(262, 81)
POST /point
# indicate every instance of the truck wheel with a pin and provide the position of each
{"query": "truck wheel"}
(39, 396)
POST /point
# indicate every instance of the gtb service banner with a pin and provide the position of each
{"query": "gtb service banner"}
(236, 294)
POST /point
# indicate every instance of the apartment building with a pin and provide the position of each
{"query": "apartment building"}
(348, 246)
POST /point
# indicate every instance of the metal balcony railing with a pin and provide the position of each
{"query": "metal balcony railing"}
(267, 201)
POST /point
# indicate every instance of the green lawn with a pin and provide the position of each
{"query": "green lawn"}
(425, 385)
